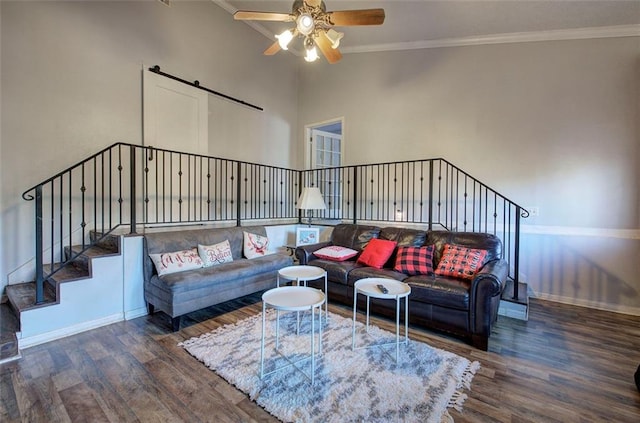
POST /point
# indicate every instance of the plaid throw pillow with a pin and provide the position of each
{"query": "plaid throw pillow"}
(415, 260)
(460, 262)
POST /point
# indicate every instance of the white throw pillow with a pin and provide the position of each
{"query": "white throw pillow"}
(255, 245)
(177, 261)
(215, 254)
(335, 253)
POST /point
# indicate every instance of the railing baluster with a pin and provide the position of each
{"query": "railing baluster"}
(39, 246)
(393, 192)
(238, 195)
(70, 218)
(132, 175)
(516, 261)
(61, 217)
(52, 219)
(430, 207)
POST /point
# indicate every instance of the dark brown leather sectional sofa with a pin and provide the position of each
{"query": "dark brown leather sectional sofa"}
(465, 308)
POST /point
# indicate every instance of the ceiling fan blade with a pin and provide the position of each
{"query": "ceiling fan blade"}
(357, 17)
(333, 55)
(246, 15)
(273, 49)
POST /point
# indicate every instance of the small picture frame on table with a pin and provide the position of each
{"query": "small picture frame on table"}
(307, 236)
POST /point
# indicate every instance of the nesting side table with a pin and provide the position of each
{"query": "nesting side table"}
(303, 274)
(293, 298)
(395, 291)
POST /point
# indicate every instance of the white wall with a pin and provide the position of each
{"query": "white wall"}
(548, 124)
(71, 85)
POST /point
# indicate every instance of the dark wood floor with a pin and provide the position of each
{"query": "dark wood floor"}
(566, 364)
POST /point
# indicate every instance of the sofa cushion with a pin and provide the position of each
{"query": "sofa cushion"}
(160, 242)
(177, 261)
(236, 270)
(353, 236)
(337, 271)
(376, 253)
(404, 237)
(335, 253)
(414, 260)
(371, 272)
(445, 292)
(212, 255)
(460, 262)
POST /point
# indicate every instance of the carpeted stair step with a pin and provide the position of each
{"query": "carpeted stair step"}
(9, 326)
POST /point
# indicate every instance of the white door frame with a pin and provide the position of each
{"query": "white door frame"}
(307, 140)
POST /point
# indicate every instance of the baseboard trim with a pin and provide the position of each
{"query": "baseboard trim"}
(632, 311)
(10, 359)
(30, 341)
(134, 314)
(513, 310)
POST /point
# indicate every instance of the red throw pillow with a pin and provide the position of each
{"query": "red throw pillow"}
(415, 260)
(460, 262)
(377, 252)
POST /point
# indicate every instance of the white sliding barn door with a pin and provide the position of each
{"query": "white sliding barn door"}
(175, 115)
(175, 118)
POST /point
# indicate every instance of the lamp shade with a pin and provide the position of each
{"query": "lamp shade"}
(311, 199)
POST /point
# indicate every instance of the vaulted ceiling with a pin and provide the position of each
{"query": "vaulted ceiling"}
(425, 23)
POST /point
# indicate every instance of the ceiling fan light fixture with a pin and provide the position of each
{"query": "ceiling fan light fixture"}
(312, 54)
(334, 37)
(284, 39)
(305, 24)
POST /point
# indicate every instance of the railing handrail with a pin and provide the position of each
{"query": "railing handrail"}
(243, 191)
(152, 148)
(488, 187)
(435, 159)
(67, 170)
(144, 147)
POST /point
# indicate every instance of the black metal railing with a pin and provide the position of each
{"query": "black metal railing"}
(431, 193)
(128, 185)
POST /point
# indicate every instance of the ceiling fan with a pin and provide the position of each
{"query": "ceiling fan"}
(315, 25)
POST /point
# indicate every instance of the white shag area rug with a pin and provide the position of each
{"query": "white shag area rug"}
(365, 385)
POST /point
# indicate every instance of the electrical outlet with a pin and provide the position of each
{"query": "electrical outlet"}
(534, 211)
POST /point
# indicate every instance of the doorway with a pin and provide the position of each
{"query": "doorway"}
(325, 144)
(324, 151)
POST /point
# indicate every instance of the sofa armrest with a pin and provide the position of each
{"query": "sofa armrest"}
(486, 288)
(304, 253)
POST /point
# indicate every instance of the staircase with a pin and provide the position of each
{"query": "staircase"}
(21, 297)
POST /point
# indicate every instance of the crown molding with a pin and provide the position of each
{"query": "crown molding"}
(515, 37)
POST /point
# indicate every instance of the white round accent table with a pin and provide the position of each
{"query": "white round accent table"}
(303, 274)
(293, 298)
(395, 291)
